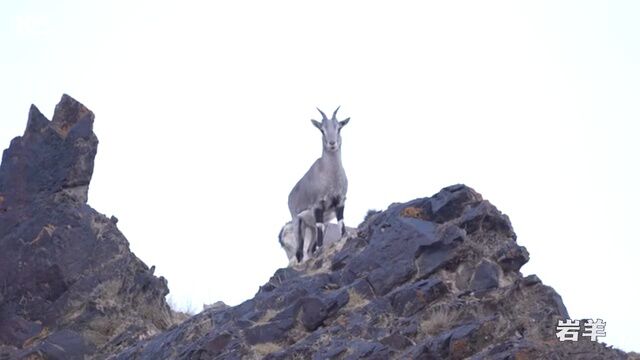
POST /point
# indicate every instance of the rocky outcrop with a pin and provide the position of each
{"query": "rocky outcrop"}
(434, 278)
(69, 285)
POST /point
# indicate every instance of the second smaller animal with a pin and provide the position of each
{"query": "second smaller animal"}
(289, 242)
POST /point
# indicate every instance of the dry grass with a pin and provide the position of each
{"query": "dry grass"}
(261, 350)
(325, 340)
(36, 339)
(178, 315)
(355, 300)
(384, 321)
(438, 321)
(268, 315)
(188, 308)
(299, 356)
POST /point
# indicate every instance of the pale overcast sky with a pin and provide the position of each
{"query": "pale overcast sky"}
(202, 111)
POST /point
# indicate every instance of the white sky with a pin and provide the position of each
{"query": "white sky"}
(202, 111)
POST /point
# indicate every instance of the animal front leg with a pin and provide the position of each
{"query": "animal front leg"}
(340, 218)
(309, 241)
(319, 215)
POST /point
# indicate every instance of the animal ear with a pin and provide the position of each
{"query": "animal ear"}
(344, 122)
(317, 124)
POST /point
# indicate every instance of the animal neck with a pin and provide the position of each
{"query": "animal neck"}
(333, 157)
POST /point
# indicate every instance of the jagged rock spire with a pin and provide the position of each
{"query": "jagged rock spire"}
(52, 157)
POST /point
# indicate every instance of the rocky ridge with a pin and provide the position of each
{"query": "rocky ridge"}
(434, 278)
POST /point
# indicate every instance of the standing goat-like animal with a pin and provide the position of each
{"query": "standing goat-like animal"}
(320, 195)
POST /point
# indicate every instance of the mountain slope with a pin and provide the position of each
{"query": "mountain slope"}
(434, 278)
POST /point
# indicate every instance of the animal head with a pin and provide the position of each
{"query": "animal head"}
(330, 128)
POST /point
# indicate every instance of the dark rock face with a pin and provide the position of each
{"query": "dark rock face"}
(52, 157)
(435, 278)
(69, 285)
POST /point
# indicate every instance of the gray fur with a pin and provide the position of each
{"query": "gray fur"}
(324, 186)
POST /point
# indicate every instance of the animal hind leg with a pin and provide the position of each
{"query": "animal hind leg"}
(300, 237)
(309, 240)
(305, 234)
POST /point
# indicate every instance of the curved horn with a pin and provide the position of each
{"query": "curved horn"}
(324, 117)
(335, 112)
